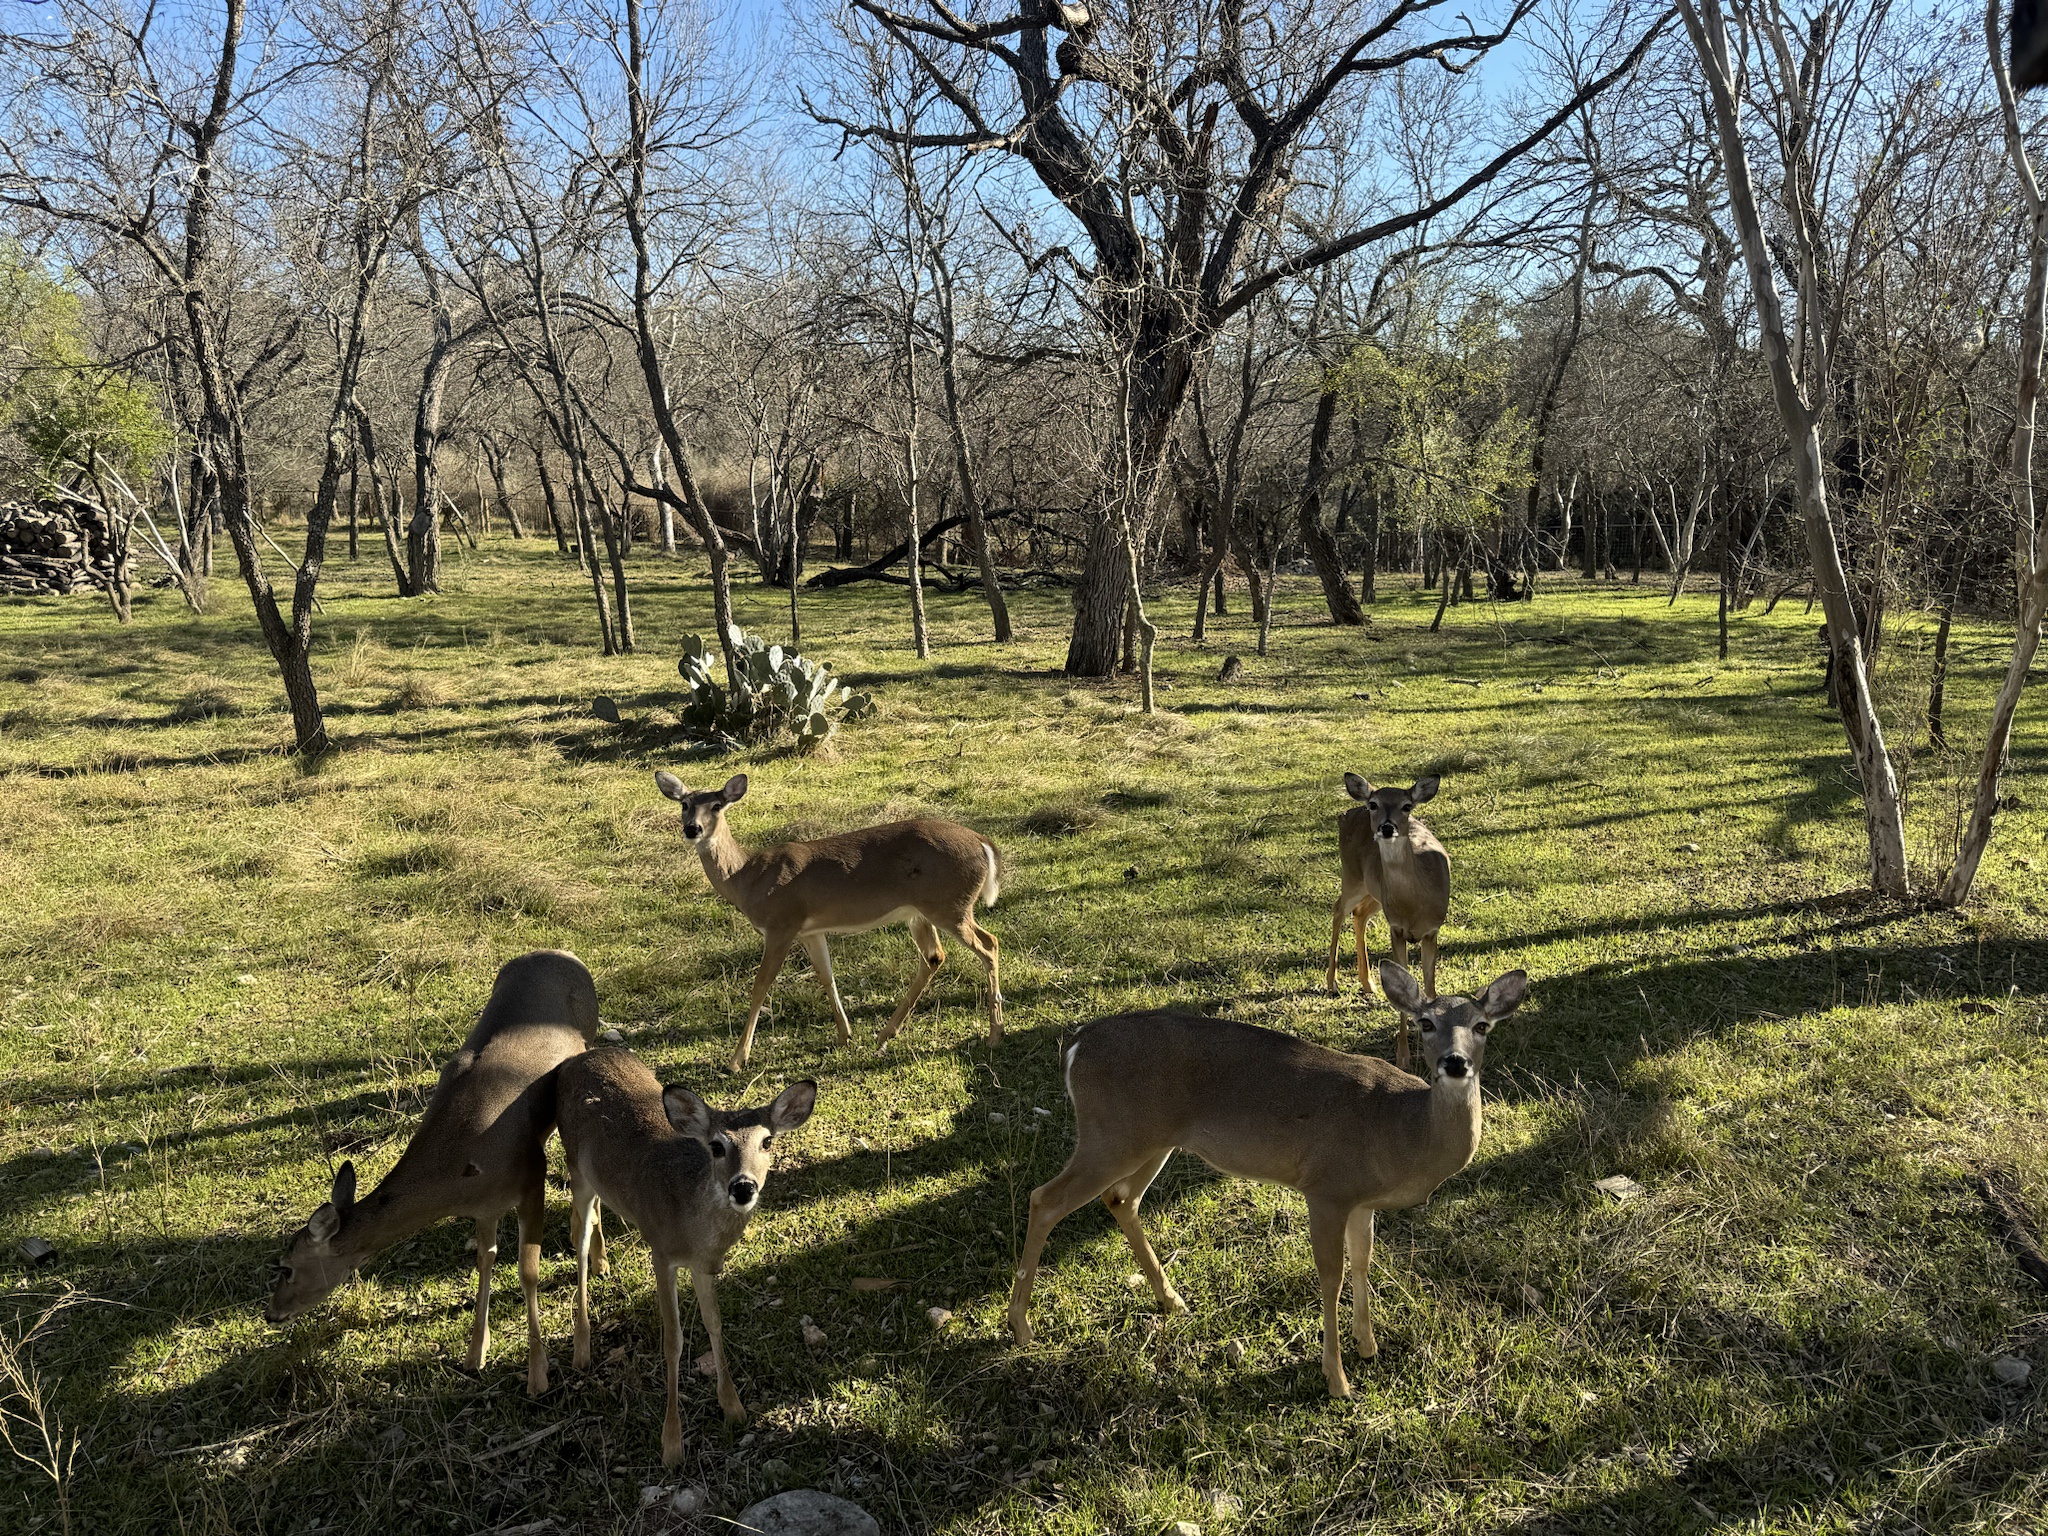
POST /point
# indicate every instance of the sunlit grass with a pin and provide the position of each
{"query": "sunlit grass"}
(221, 972)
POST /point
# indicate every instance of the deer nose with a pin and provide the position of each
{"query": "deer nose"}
(691, 829)
(1386, 829)
(1454, 1065)
(743, 1192)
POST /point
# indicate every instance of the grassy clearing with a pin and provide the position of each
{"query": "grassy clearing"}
(221, 973)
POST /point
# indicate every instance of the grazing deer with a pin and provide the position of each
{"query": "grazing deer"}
(479, 1152)
(1392, 864)
(687, 1175)
(1352, 1133)
(924, 872)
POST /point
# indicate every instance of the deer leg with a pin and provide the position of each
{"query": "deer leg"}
(1085, 1176)
(672, 1351)
(1428, 948)
(1326, 1237)
(1397, 950)
(819, 948)
(599, 1263)
(486, 1261)
(1337, 915)
(983, 946)
(532, 1217)
(1361, 915)
(1358, 1238)
(926, 938)
(772, 959)
(583, 1217)
(1122, 1199)
(707, 1307)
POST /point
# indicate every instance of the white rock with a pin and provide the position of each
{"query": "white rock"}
(939, 1316)
(1037, 1110)
(998, 1118)
(807, 1512)
(690, 1501)
(1183, 1528)
(814, 1336)
(610, 1036)
(2011, 1370)
(1234, 1352)
(1225, 1506)
(652, 1494)
(1619, 1185)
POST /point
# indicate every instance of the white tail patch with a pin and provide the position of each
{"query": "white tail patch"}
(992, 887)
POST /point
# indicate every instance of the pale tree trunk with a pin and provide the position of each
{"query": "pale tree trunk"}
(963, 461)
(914, 551)
(1801, 416)
(2030, 558)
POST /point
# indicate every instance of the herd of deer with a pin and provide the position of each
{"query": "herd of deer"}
(1353, 1134)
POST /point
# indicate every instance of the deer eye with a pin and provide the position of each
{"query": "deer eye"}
(717, 1148)
(768, 1140)
(1427, 1024)
(1407, 807)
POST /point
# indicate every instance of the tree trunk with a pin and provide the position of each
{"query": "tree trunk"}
(1322, 550)
(1882, 813)
(547, 490)
(495, 456)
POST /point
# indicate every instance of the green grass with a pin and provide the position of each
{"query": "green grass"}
(221, 972)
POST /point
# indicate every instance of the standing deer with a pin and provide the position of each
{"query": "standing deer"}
(1392, 864)
(687, 1175)
(479, 1152)
(1352, 1133)
(924, 872)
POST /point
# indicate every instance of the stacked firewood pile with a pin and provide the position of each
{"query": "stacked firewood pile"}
(54, 549)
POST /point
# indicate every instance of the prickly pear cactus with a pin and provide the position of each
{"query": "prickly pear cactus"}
(777, 692)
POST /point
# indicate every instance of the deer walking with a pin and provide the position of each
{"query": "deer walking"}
(1392, 864)
(687, 1175)
(925, 872)
(1352, 1133)
(479, 1152)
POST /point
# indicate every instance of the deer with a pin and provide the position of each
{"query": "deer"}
(1354, 1134)
(479, 1151)
(687, 1175)
(924, 872)
(1392, 864)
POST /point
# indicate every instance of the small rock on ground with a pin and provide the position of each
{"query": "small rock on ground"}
(807, 1512)
(2011, 1370)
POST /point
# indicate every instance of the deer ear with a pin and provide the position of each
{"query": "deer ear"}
(1425, 789)
(343, 1195)
(792, 1106)
(1356, 787)
(1504, 996)
(735, 788)
(322, 1226)
(670, 785)
(1400, 987)
(690, 1115)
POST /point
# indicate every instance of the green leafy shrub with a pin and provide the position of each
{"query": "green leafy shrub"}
(776, 692)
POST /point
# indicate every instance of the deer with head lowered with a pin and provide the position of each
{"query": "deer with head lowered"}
(479, 1152)
(1392, 864)
(687, 1175)
(925, 872)
(1352, 1133)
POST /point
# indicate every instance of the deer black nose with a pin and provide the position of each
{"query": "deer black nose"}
(691, 829)
(1386, 829)
(743, 1191)
(1454, 1065)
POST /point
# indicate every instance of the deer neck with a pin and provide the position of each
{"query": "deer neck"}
(723, 858)
(390, 1213)
(1454, 1119)
(1396, 852)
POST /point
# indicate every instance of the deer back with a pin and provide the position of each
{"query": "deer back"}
(860, 878)
(1259, 1104)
